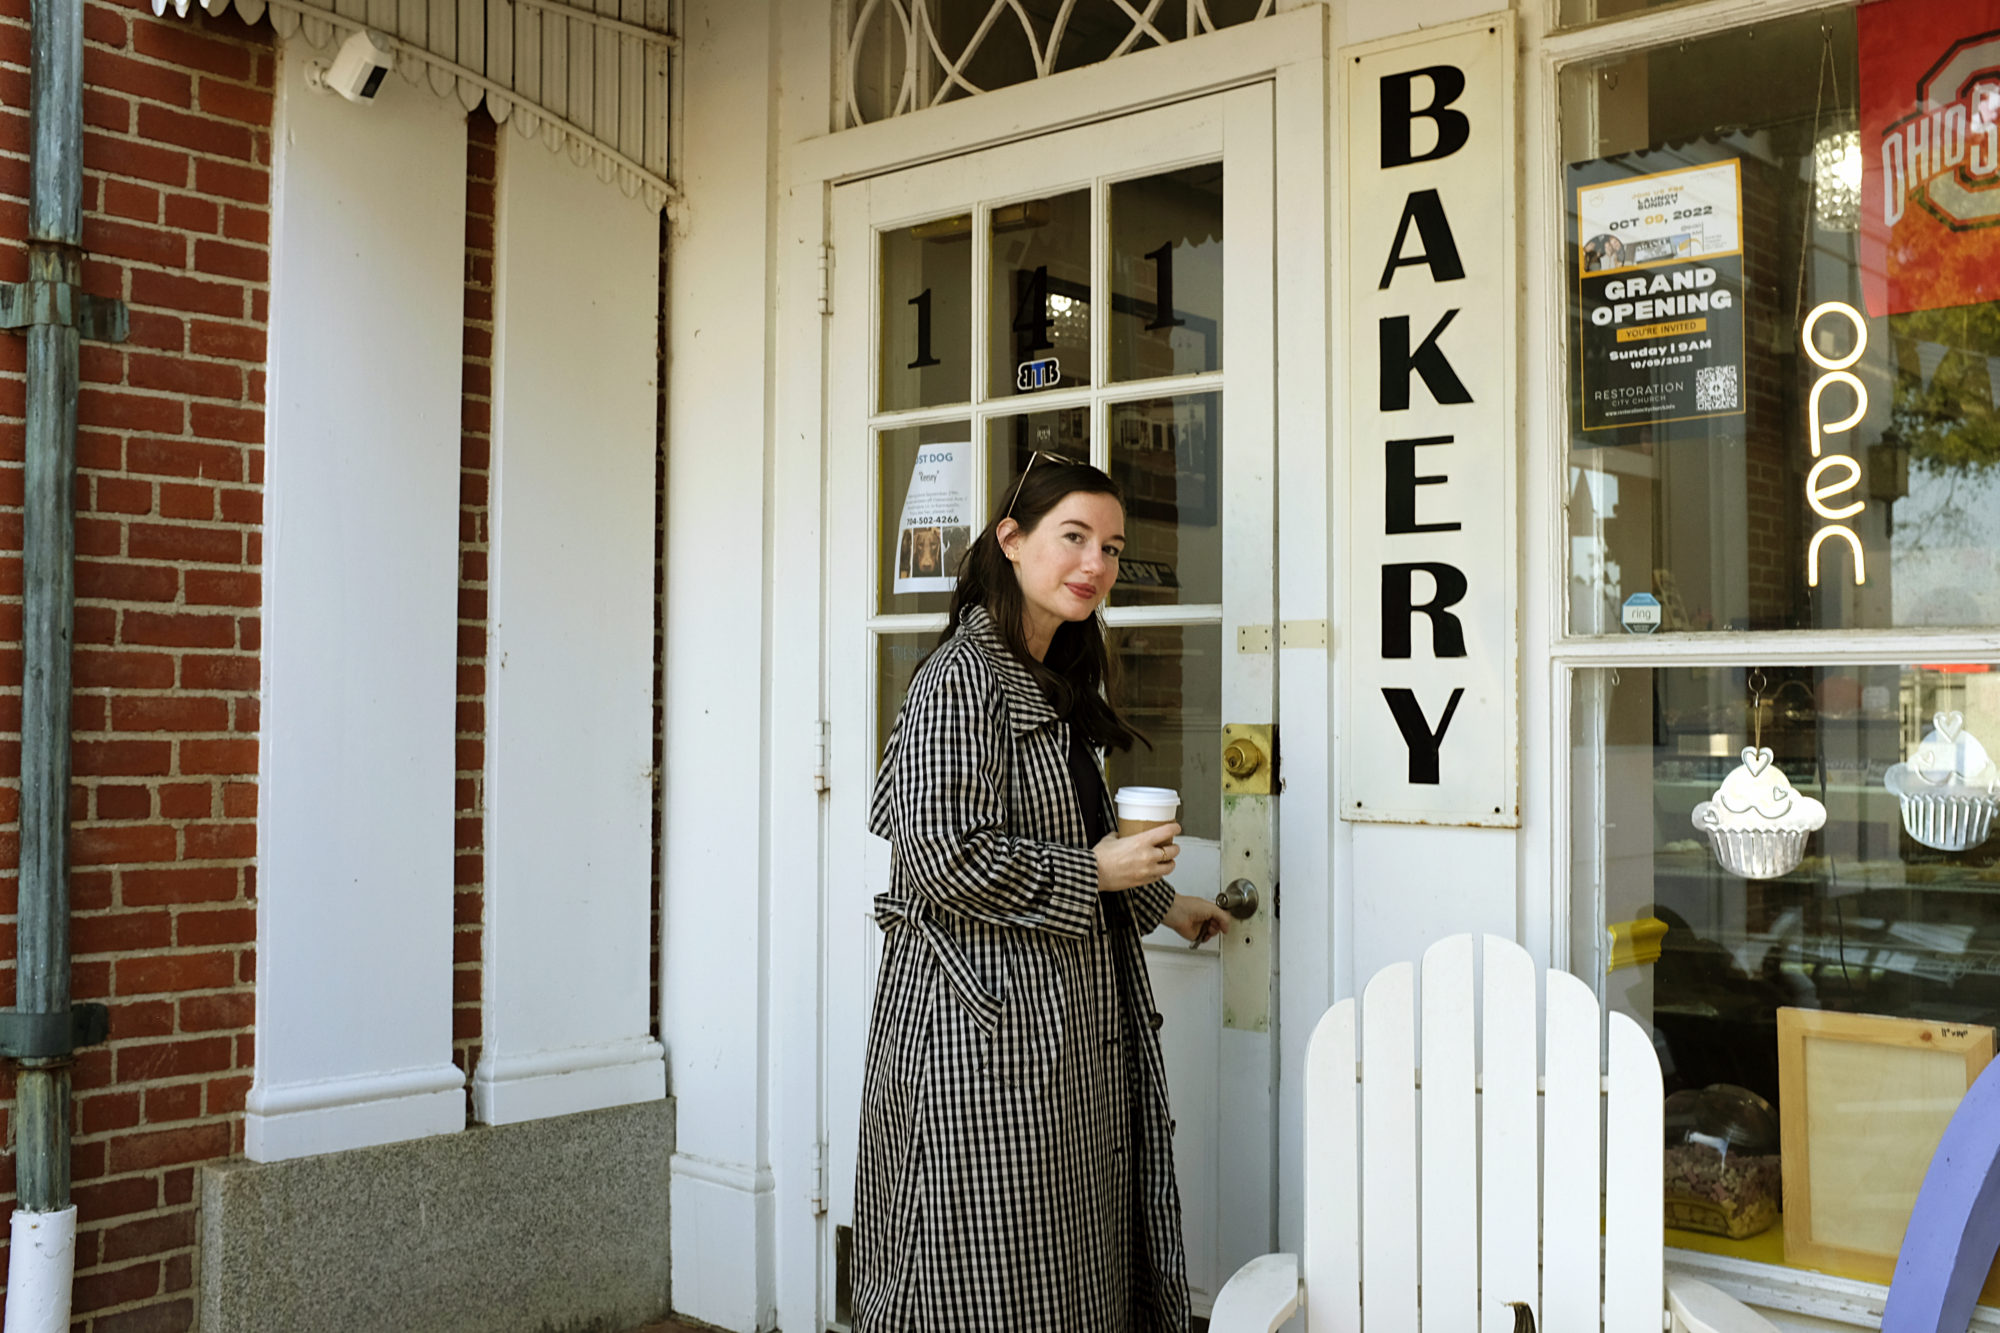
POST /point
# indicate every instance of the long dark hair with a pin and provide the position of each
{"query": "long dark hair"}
(1077, 675)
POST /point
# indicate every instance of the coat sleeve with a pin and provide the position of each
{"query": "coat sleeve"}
(1150, 903)
(943, 808)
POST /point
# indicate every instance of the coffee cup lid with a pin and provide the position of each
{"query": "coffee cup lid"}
(1149, 795)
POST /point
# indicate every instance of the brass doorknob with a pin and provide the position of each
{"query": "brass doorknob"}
(1239, 899)
(1240, 758)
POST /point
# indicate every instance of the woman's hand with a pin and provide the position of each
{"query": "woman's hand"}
(1195, 919)
(1126, 863)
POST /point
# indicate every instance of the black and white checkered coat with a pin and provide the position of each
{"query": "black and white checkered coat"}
(1016, 1168)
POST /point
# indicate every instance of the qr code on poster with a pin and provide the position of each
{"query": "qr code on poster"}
(1715, 389)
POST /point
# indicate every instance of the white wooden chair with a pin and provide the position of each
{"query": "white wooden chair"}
(1433, 1192)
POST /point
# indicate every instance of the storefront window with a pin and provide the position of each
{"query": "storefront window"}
(1782, 348)
(1783, 377)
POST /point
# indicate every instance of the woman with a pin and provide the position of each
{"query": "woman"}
(1016, 1162)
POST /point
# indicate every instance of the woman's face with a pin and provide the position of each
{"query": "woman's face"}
(1069, 562)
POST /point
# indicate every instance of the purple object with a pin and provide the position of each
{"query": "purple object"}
(1954, 1230)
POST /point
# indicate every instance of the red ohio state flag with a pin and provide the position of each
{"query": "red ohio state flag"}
(1930, 153)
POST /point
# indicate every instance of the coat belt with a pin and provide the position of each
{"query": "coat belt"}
(981, 1004)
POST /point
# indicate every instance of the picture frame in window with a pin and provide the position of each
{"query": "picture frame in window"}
(1863, 1101)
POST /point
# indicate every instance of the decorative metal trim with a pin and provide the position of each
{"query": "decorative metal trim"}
(632, 98)
(931, 75)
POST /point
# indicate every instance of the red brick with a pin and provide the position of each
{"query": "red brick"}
(247, 224)
(186, 800)
(226, 1095)
(175, 1101)
(181, 884)
(127, 200)
(243, 342)
(177, 1187)
(119, 801)
(130, 240)
(216, 842)
(148, 1236)
(143, 1018)
(106, 111)
(153, 328)
(220, 546)
(182, 44)
(115, 1198)
(211, 1013)
(171, 291)
(241, 506)
(103, 24)
(224, 259)
(168, 713)
(214, 422)
(122, 1286)
(106, 1111)
(184, 458)
(119, 156)
(123, 495)
(121, 758)
(111, 670)
(130, 411)
(121, 932)
(161, 1317)
(218, 671)
(191, 212)
(190, 971)
(226, 925)
(100, 363)
(231, 756)
(94, 845)
(249, 185)
(143, 79)
(203, 135)
(239, 800)
(196, 502)
(173, 1059)
(250, 633)
(119, 581)
(179, 630)
(203, 379)
(248, 713)
(252, 106)
(171, 1147)
(93, 624)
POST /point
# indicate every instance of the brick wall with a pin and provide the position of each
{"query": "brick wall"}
(177, 153)
(475, 455)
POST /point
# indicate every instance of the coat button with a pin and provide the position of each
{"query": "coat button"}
(1157, 1021)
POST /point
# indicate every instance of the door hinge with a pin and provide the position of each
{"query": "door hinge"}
(826, 279)
(818, 1195)
(819, 755)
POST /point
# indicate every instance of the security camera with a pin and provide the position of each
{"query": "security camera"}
(357, 71)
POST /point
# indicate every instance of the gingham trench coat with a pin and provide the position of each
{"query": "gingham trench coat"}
(1015, 1172)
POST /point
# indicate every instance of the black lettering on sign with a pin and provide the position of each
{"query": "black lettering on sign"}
(1393, 337)
(1032, 319)
(1399, 498)
(1400, 606)
(1163, 288)
(1440, 252)
(1399, 111)
(1422, 742)
(924, 358)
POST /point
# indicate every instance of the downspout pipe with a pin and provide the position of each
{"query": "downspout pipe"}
(41, 1033)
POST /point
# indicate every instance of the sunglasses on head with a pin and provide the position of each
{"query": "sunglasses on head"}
(1039, 453)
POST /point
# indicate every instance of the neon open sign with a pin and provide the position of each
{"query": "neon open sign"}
(1822, 486)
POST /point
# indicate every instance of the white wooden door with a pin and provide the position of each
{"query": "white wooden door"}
(1105, 292)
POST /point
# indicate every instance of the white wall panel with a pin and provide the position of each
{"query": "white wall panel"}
(1415, 886)
(569, 785)
(354, 833)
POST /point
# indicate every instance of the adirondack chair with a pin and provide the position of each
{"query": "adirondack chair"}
(1455, 1191)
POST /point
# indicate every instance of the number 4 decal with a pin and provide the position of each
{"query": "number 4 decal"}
(1031, 311)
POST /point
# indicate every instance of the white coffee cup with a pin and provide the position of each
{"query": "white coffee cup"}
(1141, 808)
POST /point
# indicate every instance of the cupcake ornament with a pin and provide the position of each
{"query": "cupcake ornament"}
(1757, 821)
(1949, 789)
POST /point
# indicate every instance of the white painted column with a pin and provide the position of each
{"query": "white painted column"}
(354, 829)
(569, 721)
(716, 967)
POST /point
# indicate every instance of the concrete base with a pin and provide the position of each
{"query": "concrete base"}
(551, 1226)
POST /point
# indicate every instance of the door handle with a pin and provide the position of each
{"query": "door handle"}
(1239, 899)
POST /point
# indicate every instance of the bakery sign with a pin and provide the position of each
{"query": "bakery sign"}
(1432, 718)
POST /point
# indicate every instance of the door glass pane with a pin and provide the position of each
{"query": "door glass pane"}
(1038, 300)
(924, 514)
(897, 657)
(1166, 274)
(1166, 455)
(1167, 681)
(926, 342)
(1012, 441)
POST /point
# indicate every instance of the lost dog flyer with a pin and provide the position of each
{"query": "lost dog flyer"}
(1659, 268)
(936, 526)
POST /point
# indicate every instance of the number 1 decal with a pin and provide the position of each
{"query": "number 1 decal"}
(924, 358)
(1163, 288)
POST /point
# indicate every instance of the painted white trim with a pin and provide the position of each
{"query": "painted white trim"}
(361, 1112)
(510, 1089)
(1668, 25)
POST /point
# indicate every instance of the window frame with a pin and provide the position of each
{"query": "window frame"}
(1563, 654)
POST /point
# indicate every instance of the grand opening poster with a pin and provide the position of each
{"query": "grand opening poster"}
(1930, 153)
(1659, 271)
